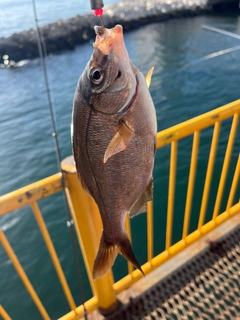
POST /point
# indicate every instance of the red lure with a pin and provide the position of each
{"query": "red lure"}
(98, 12)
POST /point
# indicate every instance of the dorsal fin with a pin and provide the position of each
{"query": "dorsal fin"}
(148, 76)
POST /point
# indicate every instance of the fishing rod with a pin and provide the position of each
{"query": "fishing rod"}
(43, 53)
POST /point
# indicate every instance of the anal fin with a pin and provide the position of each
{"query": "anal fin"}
(120, 141)
(141, 204)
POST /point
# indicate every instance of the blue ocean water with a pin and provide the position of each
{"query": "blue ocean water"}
(27, 149)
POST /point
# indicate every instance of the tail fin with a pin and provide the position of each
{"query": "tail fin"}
(107, 254)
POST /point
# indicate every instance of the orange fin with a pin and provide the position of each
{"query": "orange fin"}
(120, 141)
(105, 258)
(107, 254)
(148, 76)
(141, 204)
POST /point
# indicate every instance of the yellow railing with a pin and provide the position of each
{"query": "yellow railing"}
(88, 223)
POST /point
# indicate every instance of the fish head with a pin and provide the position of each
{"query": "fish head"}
(109, 82)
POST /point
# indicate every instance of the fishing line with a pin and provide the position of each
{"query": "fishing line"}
(202, 59)
(217, 30)
(209, 56)
(97, 7)
(217, 53)
(214, 54)
(43, 53)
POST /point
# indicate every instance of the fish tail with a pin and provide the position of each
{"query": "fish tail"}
(107, 254)
(105, 258)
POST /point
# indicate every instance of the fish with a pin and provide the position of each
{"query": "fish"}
(113, 134)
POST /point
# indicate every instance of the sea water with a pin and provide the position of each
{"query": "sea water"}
(27, 151)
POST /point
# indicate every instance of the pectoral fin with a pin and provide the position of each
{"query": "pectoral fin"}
(141, 204)
(148, 76)
(120, 141)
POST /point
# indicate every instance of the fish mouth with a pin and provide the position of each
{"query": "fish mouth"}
(105, 38)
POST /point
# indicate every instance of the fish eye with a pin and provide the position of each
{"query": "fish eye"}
(96, 75)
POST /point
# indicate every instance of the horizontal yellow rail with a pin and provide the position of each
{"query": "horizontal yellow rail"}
(32, 192)
(188, 127)
(88, 223)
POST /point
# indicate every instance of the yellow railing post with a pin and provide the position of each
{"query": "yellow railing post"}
(128, 230)
(171, 193)
(12, 256)
(225, 165)
(209, 173)
(88, 226)
(233, 189)
(150, 230)
(4, 314)
(191, 180)
(53, 254)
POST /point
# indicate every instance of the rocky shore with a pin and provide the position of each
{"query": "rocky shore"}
(66, 34)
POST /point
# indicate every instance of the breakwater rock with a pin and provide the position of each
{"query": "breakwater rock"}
(66, 34)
